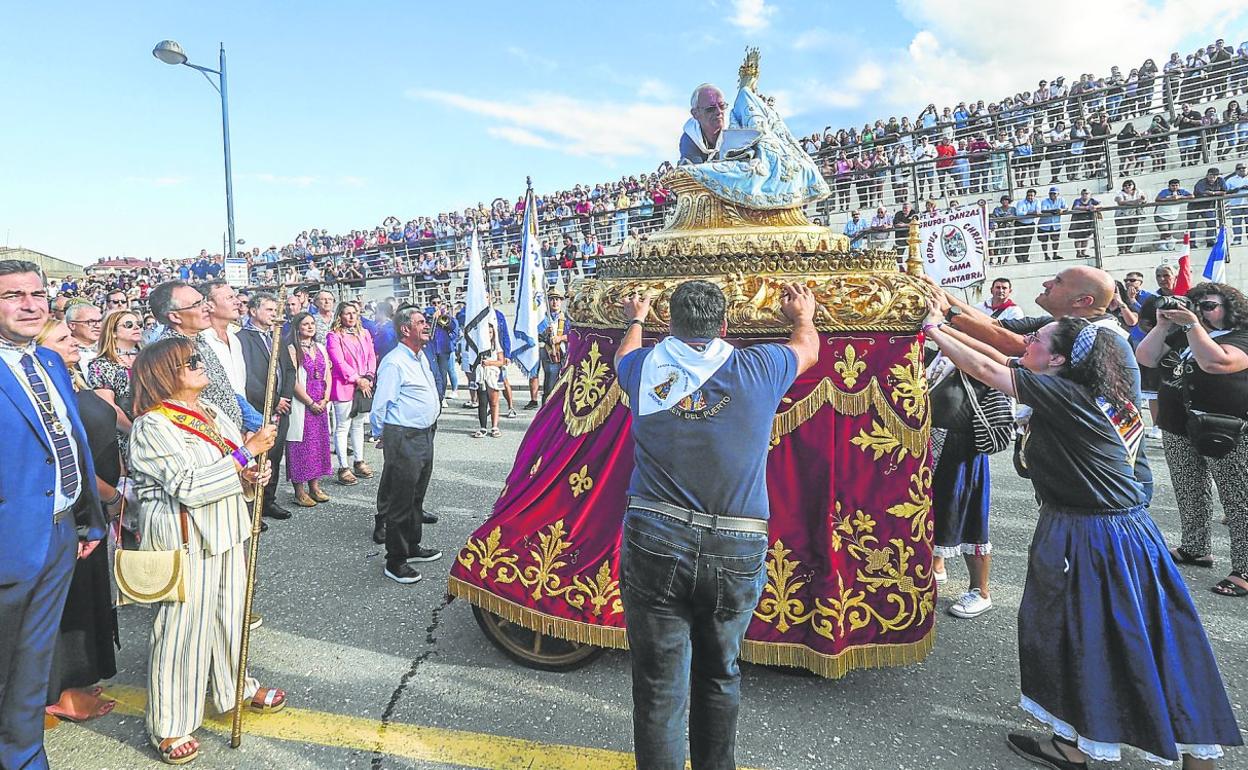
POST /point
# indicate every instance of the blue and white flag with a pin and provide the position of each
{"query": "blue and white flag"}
(1215, 268)
(478, 312)
(531, 310)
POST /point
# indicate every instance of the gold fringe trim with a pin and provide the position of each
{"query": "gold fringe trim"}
(838, 665)
(854, 405)
(763, 653)
(561, 628)
(579, 425)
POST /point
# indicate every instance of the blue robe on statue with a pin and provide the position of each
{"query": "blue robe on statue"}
(778, 175)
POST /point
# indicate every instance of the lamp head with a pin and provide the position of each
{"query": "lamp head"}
(169, 52)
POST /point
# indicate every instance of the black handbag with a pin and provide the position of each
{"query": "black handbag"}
(360, 403)
(1213, 435)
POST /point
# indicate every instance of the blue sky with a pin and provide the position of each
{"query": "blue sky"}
(343, 114)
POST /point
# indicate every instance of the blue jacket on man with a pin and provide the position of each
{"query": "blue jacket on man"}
(37, 553)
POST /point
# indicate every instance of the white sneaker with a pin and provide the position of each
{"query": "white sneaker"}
(970, 605)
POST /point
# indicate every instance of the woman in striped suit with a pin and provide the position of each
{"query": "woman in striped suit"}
(185, 458)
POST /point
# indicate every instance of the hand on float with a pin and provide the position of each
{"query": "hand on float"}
(261, 441)
(798, 303)
(636, 305)
(935, 311)
(941, 296)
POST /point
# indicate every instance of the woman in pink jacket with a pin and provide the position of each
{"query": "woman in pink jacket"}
(354, 371)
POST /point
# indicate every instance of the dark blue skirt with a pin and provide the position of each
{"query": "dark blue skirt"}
(961, 494)
(1111, 650)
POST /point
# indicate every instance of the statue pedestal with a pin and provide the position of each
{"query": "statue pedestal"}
(849, 581)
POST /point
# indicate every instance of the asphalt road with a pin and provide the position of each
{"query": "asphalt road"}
(387, 676)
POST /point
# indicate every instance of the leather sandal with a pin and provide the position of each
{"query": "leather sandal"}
(362, 470)
(1228, 587)
(1182, 556)
(168, 746)
(318, 495)
(303, 500)
(346, 477)
(268, 700)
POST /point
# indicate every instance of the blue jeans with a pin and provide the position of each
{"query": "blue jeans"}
(689, 594)
(443, 365)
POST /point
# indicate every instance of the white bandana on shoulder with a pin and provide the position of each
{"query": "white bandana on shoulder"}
(674, 370)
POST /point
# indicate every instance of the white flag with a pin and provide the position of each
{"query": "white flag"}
(478, 312)
(531, 310)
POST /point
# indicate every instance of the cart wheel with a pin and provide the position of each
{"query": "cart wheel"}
(532, 649)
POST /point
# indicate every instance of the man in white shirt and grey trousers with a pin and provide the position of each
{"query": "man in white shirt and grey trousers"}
(405, 416)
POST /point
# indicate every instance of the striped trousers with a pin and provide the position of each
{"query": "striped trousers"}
(196, 643)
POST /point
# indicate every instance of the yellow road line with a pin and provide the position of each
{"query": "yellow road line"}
(429, 744)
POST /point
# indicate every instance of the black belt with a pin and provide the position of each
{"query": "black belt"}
(698, 519)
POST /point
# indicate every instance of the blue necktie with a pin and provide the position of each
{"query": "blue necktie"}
(56, 430)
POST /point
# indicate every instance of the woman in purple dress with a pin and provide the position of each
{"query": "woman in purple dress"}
(307, 441)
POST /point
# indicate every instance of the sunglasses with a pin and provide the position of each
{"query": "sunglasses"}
(1208, 305)
(128, 325)
(117, 302)
(196, 361)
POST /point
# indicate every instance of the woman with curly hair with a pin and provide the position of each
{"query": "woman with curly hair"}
(1204, 351)
(1111, 650)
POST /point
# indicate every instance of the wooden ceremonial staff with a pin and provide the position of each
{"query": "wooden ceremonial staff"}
(257, 508)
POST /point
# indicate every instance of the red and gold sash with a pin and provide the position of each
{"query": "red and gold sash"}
(195, 424)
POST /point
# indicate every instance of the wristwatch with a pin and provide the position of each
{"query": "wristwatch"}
(953, 312)
(637, 321)
(1187, 327)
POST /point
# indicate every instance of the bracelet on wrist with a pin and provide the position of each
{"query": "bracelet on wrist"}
(928, 326)
(114, 499)
(640, 322)
(242, 456)
(1187, 327)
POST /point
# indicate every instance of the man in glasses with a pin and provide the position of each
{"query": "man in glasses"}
(85, 322)
(705, 129)
(186, 313)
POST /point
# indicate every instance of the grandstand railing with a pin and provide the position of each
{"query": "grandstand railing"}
(1164, 95)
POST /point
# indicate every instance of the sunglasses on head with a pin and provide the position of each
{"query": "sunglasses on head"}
(195, 362)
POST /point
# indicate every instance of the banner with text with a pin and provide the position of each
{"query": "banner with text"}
(954, 245)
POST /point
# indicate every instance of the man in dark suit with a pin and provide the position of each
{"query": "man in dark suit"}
(256, 338)
(50, 513)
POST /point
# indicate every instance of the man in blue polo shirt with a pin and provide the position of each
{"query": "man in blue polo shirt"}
(1025, 228)
(1051, 226)
(695, 533)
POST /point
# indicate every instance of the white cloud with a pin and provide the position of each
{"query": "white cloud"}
(288, 181)
(816, 37)
(980, 49)
(751, 15)
(352, 181)
(651, 88)
(520, 136)
(532, 59)
(573, 126)
(814, 95)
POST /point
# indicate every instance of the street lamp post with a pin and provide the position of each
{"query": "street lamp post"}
(169, 52)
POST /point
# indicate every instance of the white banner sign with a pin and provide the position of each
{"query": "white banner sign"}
(235, 272)
(954, 245)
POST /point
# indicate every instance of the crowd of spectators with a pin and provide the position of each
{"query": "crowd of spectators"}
(970, 149)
